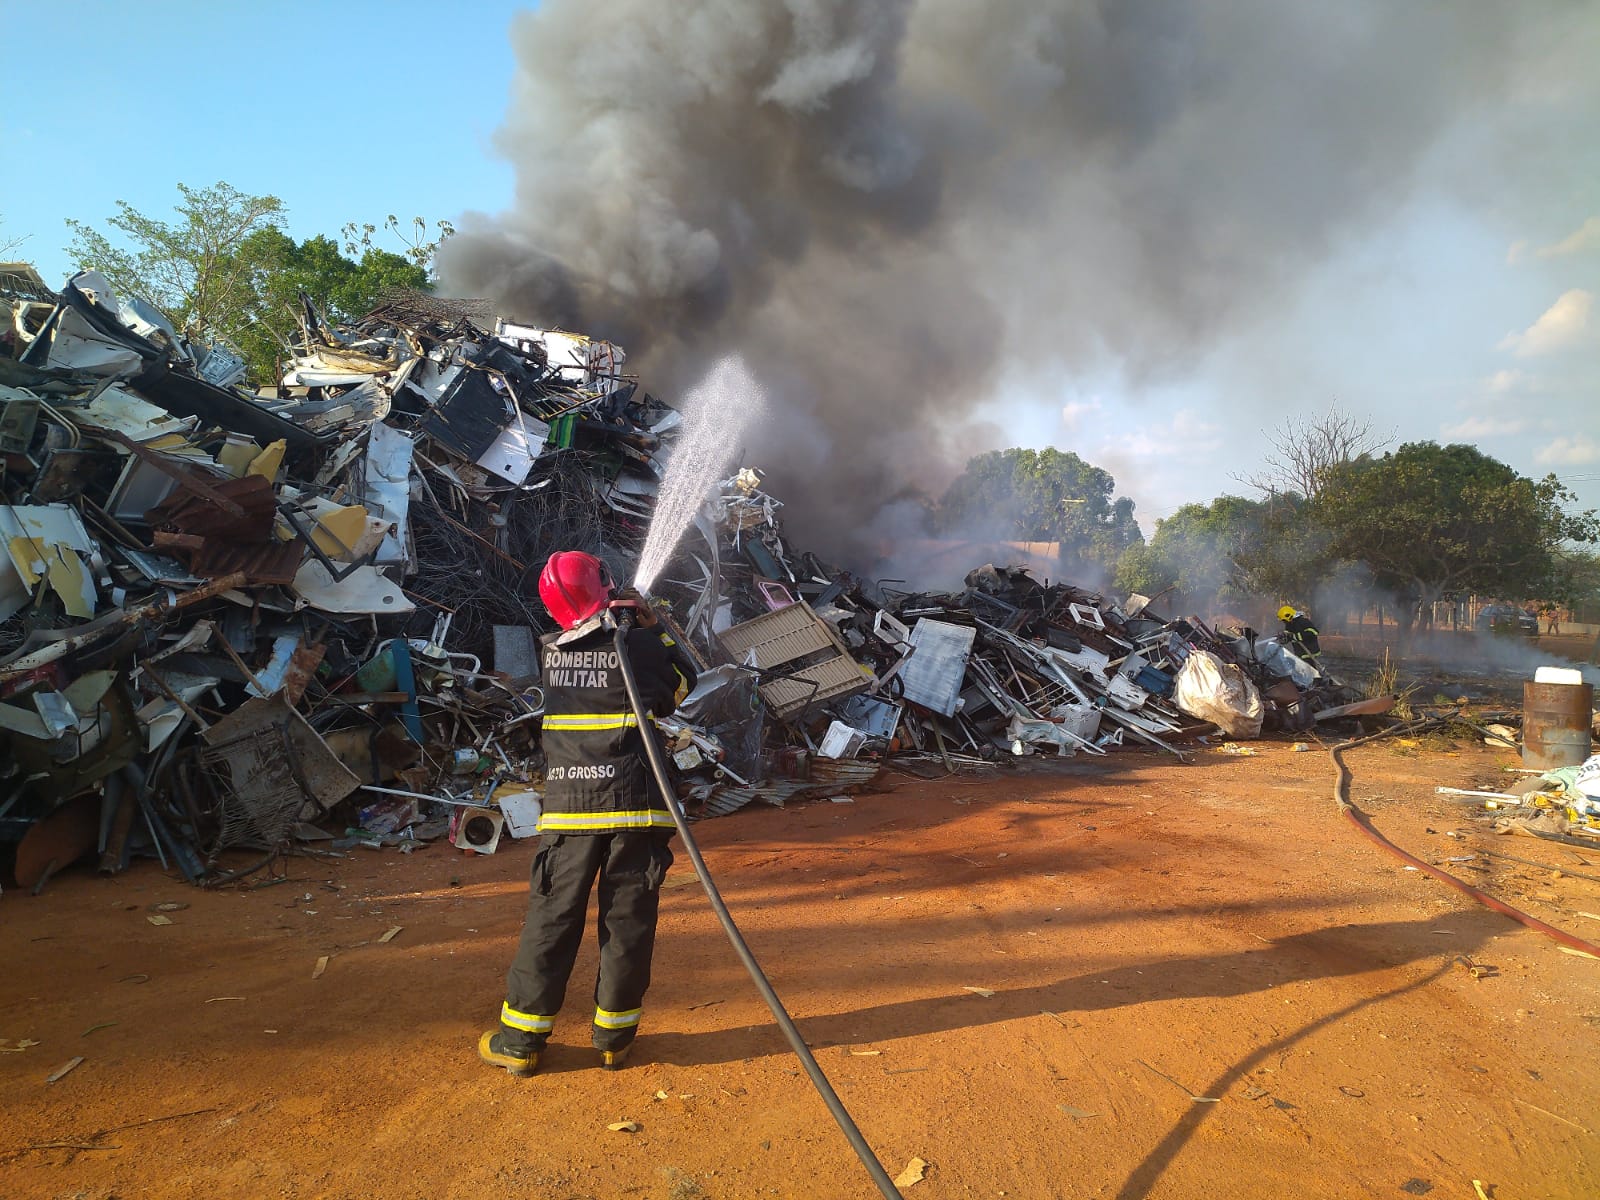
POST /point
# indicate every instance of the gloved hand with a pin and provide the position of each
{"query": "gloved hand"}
(643, 614)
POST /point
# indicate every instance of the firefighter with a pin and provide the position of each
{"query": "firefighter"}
(1300, 634)
(603, 816)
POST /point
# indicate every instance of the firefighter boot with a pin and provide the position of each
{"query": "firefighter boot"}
(614, 1052)
(521, 1061)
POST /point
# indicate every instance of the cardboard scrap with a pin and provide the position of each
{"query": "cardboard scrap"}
(912, 1173)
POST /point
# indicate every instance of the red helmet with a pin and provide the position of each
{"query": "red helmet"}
(574, 586)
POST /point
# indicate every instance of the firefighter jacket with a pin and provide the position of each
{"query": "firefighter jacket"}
(597, 779)
(1303, 635)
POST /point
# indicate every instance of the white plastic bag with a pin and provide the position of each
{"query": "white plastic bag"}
(1587, 780)
(1279, 659)
(1210, 690)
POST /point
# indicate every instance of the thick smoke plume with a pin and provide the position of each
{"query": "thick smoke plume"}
(892, 208)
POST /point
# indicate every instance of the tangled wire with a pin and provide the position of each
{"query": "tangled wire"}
(480, 559)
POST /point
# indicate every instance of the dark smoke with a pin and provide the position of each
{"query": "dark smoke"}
(889, 207)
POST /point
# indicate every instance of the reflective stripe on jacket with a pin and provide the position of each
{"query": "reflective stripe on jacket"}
(597, 779)
(1304, 635)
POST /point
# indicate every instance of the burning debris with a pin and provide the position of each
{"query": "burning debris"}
(238, 621)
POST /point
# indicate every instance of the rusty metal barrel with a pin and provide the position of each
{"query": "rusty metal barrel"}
(1556, 722)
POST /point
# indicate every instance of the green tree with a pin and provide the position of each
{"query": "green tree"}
(191, 268)
(1194, 551)
(1427, 520)
(1574, 579)
(1144, 569)
(225, 270)
(281, 269)
(1231, 551)
(419, 247)
(1045, 495)
(1290, 556)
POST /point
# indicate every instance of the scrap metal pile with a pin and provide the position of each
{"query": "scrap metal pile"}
(233, 620)
(1004, 668)
(222, 613)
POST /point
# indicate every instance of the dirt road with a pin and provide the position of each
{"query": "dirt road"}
(1203, 984)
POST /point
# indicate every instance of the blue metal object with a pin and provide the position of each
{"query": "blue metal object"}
(405, 681)
(1154, 680)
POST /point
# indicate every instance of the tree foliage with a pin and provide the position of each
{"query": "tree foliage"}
(419, 245)
(225, 270)
(1430, 520)
(282, 268)
(193, 268)
(1045, 495)
(1575, 578)
(1231, 551)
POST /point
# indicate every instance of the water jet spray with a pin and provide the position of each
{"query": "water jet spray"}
(715, 414)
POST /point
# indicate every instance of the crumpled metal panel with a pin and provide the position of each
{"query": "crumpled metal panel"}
(774, 641)
(326, 778)
(933, 675)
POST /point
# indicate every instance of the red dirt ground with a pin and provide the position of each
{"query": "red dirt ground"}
(1150, 931)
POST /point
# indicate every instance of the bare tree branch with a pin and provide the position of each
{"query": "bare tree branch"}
(7, 245)
(1303, 449)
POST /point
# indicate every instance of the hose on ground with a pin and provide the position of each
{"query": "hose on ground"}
(1341, 795)
(780, 1014)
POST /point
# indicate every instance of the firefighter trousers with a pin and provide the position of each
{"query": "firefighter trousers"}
(630, 866)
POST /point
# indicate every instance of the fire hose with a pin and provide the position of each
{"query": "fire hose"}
(1341, 795)
(658, 767)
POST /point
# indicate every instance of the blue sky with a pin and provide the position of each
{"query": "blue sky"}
(1466, 313)
(1436, 325)
(346, 112)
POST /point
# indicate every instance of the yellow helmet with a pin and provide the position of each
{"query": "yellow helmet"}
(1286, 613)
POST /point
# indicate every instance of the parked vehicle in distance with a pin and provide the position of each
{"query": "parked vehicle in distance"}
(1508, 618)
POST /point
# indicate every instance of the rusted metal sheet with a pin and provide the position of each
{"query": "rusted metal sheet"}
(272, 562)
(249, 507)
(212, 543)
(303, 664)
